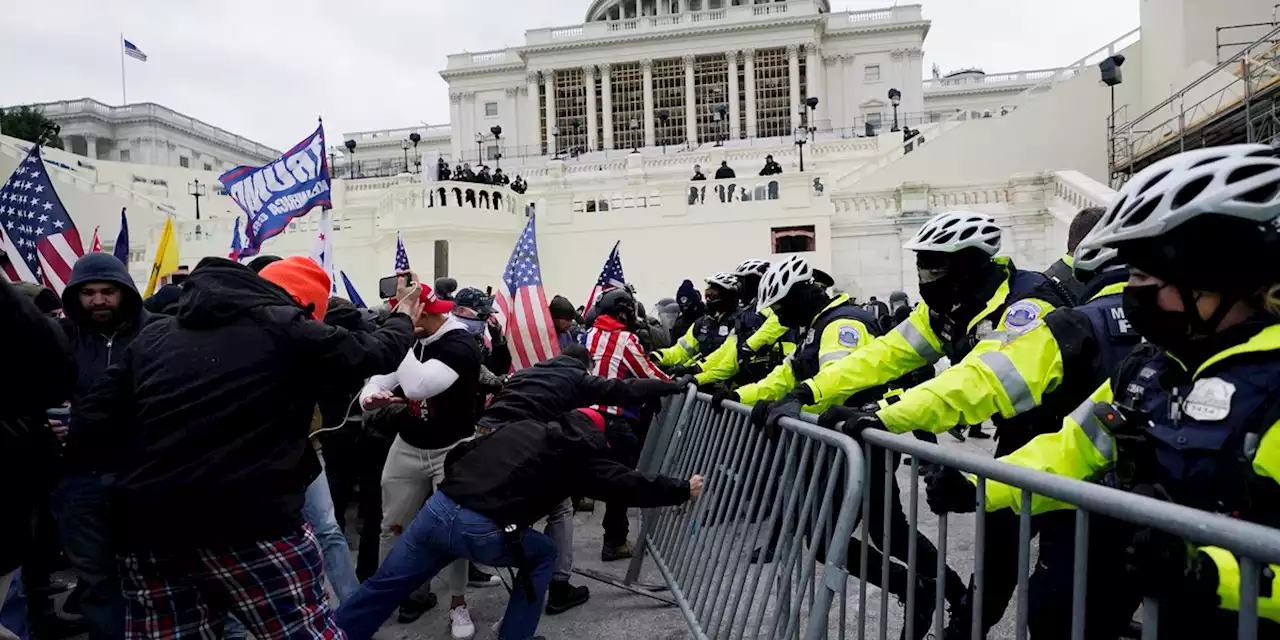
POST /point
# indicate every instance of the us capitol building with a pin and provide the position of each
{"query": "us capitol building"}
(605, 120)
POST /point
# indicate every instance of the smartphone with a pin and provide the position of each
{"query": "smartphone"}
(387, 286)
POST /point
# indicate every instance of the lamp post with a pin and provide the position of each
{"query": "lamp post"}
(555, 135)
(496, 130)
(404, 146)
(635, 135)
(663, 116)
(351, 158)
(197, 191)
(415, 138)
(479, 149)
(802, 137)
(576, 124)
(895, 98)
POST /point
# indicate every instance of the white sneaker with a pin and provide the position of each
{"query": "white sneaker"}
(460, 623)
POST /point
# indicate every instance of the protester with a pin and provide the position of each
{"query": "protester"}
(542, 392)
(725, 172)
(697, 173)
(474, 308)
(104, 315)
(771, 168)
(616, 353)
(434, 391)
(519, 185)
(442, 170)
(496, 487)
(567, 322)
(26, 443)
(46, 301)
(500, 178)
(228, 475)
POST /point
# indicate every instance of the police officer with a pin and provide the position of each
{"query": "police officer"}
(707, 333)
(834, 328)
(1054, 362)
(759, 342)
(1189, 417)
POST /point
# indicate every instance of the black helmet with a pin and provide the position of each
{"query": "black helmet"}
(616, 301)
(445, 287)
(475, 300)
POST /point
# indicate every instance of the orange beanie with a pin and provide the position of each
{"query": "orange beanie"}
(305, 280)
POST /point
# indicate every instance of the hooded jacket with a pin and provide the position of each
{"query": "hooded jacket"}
(205, 419)
(561, 384)
(93, 348)
(518, 474)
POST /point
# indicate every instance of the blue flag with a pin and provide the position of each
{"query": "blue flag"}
(237, 249)
(121, 250)
(285, 189)
(402, 257)
(352, 294)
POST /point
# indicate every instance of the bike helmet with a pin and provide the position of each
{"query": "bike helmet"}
(954, 231)
(1089, 260)
(781, 278)
(752, 267)
(726, 281)
(1237, 181)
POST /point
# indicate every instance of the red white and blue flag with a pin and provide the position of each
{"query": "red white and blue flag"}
(610, 277)
(531, 334)
(402, 257)
(237, 245)
(36, 232)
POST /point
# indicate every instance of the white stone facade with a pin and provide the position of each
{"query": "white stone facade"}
(152, 134)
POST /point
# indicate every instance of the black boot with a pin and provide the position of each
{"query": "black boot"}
(976, 432)
(478, 578)
(562, 596)
(957, 433)
(412, 609)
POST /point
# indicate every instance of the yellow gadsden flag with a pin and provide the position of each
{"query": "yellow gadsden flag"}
(166, 258)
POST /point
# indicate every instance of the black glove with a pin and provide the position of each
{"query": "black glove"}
(789, 406)
(855, 419)
(948, 491)
(1166, 567)
(721, 394)
(679, 371)
(745, 356)
(685, 380)
(759, 413)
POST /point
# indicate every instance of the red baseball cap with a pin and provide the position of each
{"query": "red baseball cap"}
(431, 303)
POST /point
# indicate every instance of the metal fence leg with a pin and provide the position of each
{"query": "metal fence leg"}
(1080, 577)
(866, 537)
(940, 594)
(1248, 629)
(885, 542)
(1024, 565)
(912, 505)
(979, 560)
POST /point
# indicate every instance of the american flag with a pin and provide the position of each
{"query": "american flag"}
(402, 258)
(96, 245)
(237, 246)
(35, 229)
(530, 332)
(610, 276)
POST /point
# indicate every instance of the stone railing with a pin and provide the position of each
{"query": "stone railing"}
(903, 13)
(749, 189)
(925, 199)
(785, 190)
(396, 135)
(448, 195)
(1016, 77)
(66, 174)
(1080, 191)
(652, 24)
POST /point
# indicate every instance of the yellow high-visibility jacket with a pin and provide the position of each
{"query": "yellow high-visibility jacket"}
(722, 364)
(1084, 448)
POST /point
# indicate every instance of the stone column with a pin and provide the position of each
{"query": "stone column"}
(649, 138)
(793, 72)
(589, 82)
(606, 106)
(684, 6)
(533, 132)
(749, 60)
(735, 131)
(690, 102)
(549, 81)
(815, 71)
(91, 147)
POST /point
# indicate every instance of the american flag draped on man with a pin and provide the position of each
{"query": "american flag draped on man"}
(36, 233)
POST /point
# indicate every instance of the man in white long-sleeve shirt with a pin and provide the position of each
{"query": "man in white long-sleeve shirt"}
(433, 398)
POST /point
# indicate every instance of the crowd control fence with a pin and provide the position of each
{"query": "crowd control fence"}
(764, 552)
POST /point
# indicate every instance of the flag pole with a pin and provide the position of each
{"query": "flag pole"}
(124, 96)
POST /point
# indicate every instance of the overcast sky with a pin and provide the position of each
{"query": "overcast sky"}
(265, 68)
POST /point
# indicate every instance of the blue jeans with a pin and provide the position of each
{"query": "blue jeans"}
(80, 505)
(339, 568)
(441, 533)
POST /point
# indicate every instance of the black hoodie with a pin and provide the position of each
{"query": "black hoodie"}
(95, 348)
(205, 419)
(552, 387)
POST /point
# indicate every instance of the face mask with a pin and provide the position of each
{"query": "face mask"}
(1163, 328)
(474, 327)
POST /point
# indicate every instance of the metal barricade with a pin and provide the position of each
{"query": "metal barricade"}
(1254, 545)
(743, 560)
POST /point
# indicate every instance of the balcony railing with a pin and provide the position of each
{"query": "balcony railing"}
(1013, 78)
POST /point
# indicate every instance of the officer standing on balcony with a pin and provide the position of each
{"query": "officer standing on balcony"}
(1190, 417)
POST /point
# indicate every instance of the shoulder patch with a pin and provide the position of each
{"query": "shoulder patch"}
(1021, 315)
(849, 336)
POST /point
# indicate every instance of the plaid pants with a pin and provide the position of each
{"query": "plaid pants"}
(275, 587)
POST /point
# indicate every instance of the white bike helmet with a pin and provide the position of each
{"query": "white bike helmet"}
(752, 267)
(726, 281)
(1092, 259)
(1239, 181)
(955, 230)
(781, 278)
